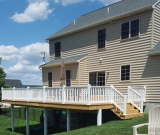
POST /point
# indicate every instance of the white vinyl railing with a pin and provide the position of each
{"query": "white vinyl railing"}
(141, 91)
(119, 100)
(76, 94)
(135, 99)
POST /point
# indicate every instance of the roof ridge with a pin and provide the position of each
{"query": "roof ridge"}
(102, 7)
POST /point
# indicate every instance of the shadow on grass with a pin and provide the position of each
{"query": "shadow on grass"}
(22, 130)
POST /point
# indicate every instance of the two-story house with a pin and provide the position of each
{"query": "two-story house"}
(115, 49)
(116, 45)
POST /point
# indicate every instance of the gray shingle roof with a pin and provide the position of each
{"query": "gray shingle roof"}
(14, 83)
(155, 50)
(65, 60)
(116, 9)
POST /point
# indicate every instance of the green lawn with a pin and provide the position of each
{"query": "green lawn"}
(119, 127)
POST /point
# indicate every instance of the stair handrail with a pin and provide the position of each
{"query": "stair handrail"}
(135, 99)
(118, 100)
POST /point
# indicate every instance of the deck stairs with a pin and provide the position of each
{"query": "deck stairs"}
(131, 112)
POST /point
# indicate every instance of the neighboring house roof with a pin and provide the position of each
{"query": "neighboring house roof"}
(155, 50)
(73, 59)
(107, 13)
(14, 83)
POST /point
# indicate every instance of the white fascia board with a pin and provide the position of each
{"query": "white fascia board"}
(81, 59)
(154, 5)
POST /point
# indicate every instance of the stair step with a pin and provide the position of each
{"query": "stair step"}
(130, 111)
(129, 116)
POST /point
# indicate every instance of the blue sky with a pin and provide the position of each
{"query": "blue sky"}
(24, 26)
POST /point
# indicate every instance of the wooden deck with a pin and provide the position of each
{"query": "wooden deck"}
(57, 105)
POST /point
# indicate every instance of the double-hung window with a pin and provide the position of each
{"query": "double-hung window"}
(97, 78)
(125, 73)
(130, 29)
(50, 79)
(57, 49)
(101, 38)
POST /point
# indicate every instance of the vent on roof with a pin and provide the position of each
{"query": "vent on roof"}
(108, 10)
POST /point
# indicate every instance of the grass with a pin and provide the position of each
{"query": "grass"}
(118, 127)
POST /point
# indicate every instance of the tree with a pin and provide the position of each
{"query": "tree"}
(2, 79)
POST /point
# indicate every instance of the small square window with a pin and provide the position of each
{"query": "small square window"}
(125, 73)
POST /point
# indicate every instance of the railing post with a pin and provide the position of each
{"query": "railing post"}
(2, 93)
(141, 111)
(63, 95)
(89, 96)
(128, 93)
(27, 94)
(112, 94)
(44, 94)
(13, 93)
(124, 106)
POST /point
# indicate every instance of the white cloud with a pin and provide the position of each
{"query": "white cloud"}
(68, 2)
(27, 61)
(8, 52)
(36, 10)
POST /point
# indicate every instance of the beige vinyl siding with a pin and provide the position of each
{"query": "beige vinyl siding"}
(56, 74)
(156, 25)
(117, 53)
(84, 72)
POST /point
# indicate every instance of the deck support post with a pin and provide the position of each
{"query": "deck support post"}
(68, 120)
(12, 117)
(45, 122)
(27, 121)
(99, 117)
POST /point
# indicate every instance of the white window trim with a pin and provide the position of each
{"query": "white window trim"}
(120, 73)
(130, 29)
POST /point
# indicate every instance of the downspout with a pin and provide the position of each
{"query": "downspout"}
(152, 28)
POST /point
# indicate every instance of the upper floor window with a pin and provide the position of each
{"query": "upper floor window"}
(57, 50)
(101, 38)
(130, 29)
(125, 73)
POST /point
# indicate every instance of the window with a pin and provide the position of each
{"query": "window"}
(50, 79)
(97, 78)
(101, 38)
(57, 50)
(125, 73)
(68, 77)
(130, 29)
(125, 30)
(135, 28)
